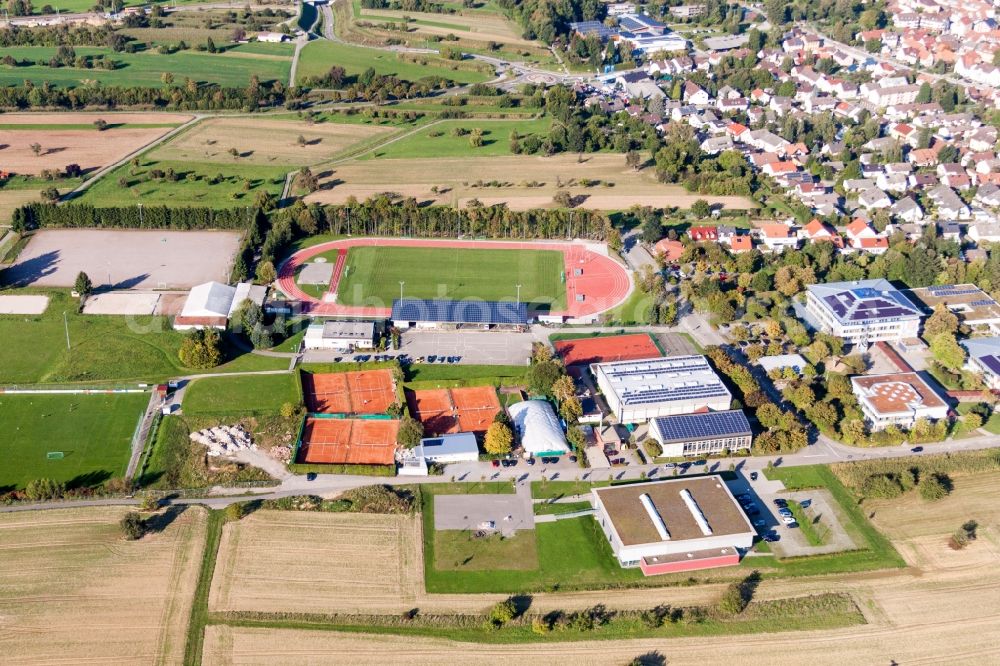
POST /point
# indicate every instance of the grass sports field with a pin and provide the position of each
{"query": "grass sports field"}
(92, 431)
(241, 395)
(373, 275)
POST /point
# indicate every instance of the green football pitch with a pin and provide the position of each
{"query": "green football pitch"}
(93, 432)
(372, 275)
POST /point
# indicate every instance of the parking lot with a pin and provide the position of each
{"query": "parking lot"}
(790, 542)
(505, 513)
(465, 347)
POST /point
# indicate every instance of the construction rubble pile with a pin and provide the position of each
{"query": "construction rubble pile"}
(224, 440)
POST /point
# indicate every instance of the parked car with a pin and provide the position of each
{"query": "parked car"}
(753, 476)
(917, 449)
(432, 358)
(531, 461)
(495, 463)
(772, 536)
(780, 502)
(788, 520)
(510, 463)
(311, 476)
(572, 459)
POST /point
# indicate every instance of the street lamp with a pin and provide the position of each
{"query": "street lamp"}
(518, 294)
(140, 214)
(401, 283)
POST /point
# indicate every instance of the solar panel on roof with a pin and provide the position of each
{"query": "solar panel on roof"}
(703, 426)
(988, 301)
(460, 312)
(991, 362)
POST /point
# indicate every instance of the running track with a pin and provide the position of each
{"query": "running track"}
(604, 283)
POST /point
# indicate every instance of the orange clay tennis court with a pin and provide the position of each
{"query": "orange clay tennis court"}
(348, 441)
(356, 392)
(606, 349)
(444, 411)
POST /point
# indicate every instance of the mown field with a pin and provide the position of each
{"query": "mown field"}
(317, 58)
(72, 590)
(373, 275)
(93, 432)
(451, 138)
(239, 395)
(232, 68)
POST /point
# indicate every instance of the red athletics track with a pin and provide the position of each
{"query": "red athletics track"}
(604, 282)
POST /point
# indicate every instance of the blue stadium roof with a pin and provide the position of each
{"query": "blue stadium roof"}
(707, 425)
(460, 312)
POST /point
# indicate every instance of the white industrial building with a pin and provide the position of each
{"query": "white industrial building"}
(637, 391)
(210, 305)
(538, 428)
(863, 311)
(454, 448)
(898, 399)
(673, 525)
(340, 335)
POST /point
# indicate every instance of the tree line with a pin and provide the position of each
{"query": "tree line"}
(39, 216)
(188, 95)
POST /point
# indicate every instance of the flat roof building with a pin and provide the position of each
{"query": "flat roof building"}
(972, 305)
(454, 448)
(898, 399)
(442, 313)
(702, 434)
(673, 525)
(637, 391)
(863, 311)
(340, 335)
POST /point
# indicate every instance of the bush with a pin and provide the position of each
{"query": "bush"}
(881, 486)
(40, 490)
(966, 533)
(236, 511)
(502, 613)
(132, 525)
(934, 487)
(738, 595)
(379, 499)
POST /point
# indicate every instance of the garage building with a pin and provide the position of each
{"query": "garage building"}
(673, 525)
(210, 305)
(340, 335)
(702, 434)
(637, 391)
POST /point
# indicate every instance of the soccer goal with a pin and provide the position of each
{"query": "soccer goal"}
(55, 455)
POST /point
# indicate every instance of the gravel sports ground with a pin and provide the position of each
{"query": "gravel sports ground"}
(129, 259)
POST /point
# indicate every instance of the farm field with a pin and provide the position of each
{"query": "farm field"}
(198, 184)
(317, 58)
(943, 609)
(71, 586)
(64, 139)
(520, 181)
(238, 395)
(145, 69)
(373, 275)
(103, 348)
(308, 562)
(10, 199)
(93, 432)
(479, 25)
(263, 141)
